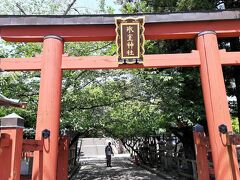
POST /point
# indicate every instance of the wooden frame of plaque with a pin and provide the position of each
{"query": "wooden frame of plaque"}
(130, 39)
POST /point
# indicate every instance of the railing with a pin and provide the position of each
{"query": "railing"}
(184, 167)
(74, 155)
(30, 145)
(165, 153)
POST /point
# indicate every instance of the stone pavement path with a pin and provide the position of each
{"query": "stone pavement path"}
(122, 169)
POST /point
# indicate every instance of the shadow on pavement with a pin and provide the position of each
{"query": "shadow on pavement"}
(121, 169)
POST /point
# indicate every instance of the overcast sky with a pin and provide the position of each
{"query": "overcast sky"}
(93, 5)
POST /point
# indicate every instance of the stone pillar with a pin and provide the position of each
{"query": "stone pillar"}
(11, 139)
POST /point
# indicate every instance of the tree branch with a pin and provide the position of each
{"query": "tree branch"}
(104, 105)
(20, 8)
(99, 105)
(69, 81)
(69, 7)
(76, 11)
(98, 48)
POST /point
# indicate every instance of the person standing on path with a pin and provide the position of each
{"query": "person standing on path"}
(109, 153)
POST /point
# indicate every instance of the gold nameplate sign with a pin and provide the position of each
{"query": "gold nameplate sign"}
(130, 39)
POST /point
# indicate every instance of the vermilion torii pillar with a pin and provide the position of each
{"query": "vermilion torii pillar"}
(48, 115)
(216, 106)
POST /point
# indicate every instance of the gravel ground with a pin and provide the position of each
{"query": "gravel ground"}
(122, 169)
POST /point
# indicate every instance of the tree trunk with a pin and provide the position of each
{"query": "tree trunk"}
(128, 147)
(185, 134)
(188, 145)
(235, 46)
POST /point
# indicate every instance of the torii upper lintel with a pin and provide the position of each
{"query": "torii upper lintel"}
(102, 27)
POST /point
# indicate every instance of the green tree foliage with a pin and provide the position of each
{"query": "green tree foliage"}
(157, 6)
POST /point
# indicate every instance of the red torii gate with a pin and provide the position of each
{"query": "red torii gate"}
(53, 31)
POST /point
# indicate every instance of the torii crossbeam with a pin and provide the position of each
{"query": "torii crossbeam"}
(53, 31)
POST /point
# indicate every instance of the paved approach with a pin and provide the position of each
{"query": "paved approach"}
(122, 169)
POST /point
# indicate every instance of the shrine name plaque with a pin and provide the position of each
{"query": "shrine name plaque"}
(130, 39)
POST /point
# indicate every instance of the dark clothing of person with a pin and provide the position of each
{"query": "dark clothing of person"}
(109, 157)
(108, 152)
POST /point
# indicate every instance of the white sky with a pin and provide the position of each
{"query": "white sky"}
(93, 5)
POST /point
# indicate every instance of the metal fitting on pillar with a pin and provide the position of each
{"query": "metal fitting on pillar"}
(199, 135)
(223, 129)
(51, 36)
(232, 138)
(45, 133)
(198, 128)
(206, 32)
